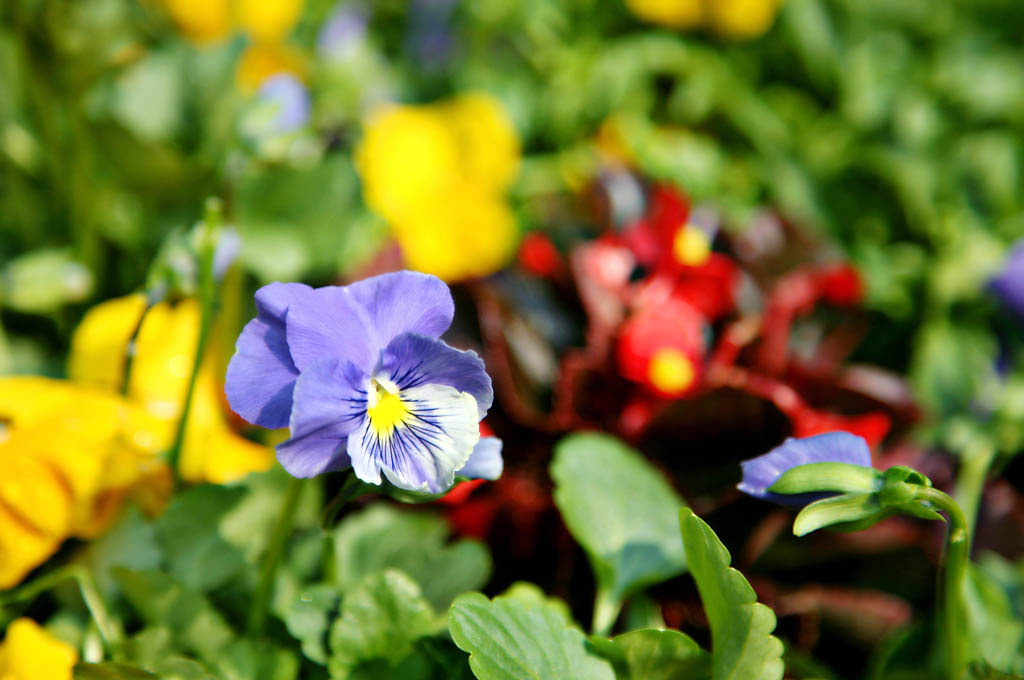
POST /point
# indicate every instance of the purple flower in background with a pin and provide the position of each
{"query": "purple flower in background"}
(360, 377)
(289, 99)
(343, 32)
(832, 447)
(1008, 285)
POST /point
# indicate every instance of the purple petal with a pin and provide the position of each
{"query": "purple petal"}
(356, 322)
(331, 324)
(485, 462)
(1008, 285)
(832, 447)
(412, 360)
(289, 100)
(261, 374)
(405, 302)
(330, 403)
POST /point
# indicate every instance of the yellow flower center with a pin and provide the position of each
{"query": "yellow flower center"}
(670, 371)
(691, 246)
(386, 410)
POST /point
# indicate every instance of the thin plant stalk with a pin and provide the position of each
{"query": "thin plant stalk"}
(976, 461)
(272, 558)
(208, 305)
(606, 610)
(954, 569)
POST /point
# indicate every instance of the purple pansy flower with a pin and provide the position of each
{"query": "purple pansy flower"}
(360, 377)
(1009, 283)
(832, 447)
(288, 99)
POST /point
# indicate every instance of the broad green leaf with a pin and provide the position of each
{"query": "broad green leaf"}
(863, 507)
(307, 617)
(189, 534)
(621, 510)
(383, 537)
(162, 601)
(110, 671)
(510, 638)
(743, 647)
(655, 654)
(993, 626)
(381, 618)
(252, 660)
(131, 544)
(181, 668)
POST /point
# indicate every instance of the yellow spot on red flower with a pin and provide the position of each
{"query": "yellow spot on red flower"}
(671, 371)
(691, 246)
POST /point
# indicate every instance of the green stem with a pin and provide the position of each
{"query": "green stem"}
(272, 558)
(976, 461)
(606, 610)
(105, 623)
(109, 630)
(208, 302)
(954, 574)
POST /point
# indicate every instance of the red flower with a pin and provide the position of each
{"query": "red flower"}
(538, 255)
(662, 348)
(872, 426)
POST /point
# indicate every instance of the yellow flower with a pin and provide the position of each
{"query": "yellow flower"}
(201, 20)
(30, 653)
(165, 349)
(670, 13)
(742, 19)
(267, 20)
(735, 19)
(69, 456)
(438, 174)
(262, 60)
(210, 20)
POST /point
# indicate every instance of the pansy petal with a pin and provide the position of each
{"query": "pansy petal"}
(832, 447)
(412, 360)
(329, 403)
(485, 462)
(434, 439)
(261, 374)
(405, 302)
(331, 323)
(1009, 283)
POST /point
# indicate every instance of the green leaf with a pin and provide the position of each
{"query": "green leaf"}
(181, 668)
(380, 619)
(742, 645)
(838, 510)
(162, 601)
(655, 654)
(417, 544)
(621, 510)
(308, 617)
(509, 638)
(993, 625)
(110, 671)
(814, 477)
(131, 544)
(252, 660)
(196, 553)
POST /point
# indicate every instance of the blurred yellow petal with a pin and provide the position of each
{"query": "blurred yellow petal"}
(22, 549)
(262, 60)
(211, 451)
(670, 13)
(408, 157)
(488, 142)
(472, 236)
(742, 19)
(98, 345)
(31, 490)
(267, 20)
(30, 653)
(201, 20)
(164, 352)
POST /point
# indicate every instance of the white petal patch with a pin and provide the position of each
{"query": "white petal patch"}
(433, 440)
